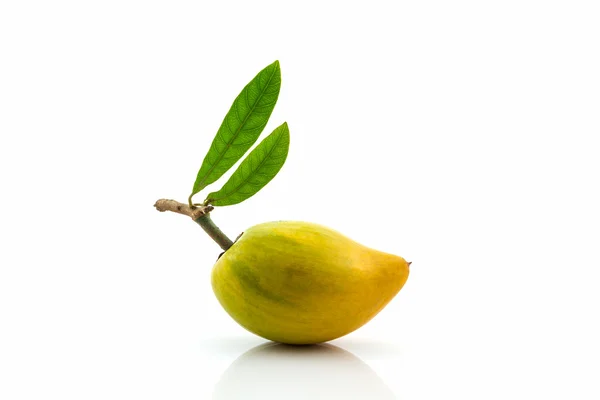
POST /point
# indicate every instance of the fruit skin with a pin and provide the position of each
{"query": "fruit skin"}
(303, 283)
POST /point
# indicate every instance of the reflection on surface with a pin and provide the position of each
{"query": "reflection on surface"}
(278, 371)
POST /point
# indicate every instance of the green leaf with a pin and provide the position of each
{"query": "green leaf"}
(242, 126)
(261, 165)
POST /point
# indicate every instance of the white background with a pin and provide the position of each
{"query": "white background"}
(461, 135)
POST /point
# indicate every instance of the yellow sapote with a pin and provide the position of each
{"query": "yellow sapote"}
(303, 283)
(290, 282)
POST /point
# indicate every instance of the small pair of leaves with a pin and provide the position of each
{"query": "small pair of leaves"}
(241, 127)
(261, 165)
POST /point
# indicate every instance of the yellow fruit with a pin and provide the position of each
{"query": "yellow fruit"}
(303, 283)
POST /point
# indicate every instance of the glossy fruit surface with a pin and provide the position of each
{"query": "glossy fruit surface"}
(303, 283)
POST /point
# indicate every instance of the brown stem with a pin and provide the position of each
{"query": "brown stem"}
(200, 215)
(180, 208)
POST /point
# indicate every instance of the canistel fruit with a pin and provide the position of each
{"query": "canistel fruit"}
(302, 283)
(287, 281)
